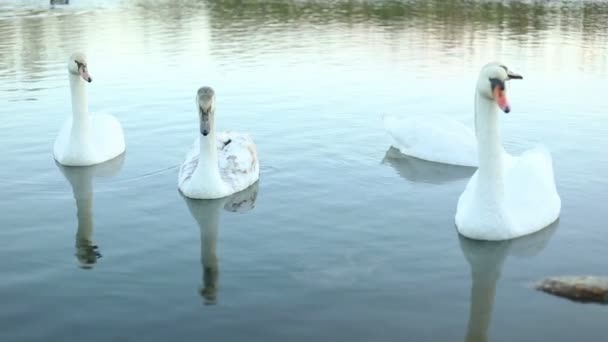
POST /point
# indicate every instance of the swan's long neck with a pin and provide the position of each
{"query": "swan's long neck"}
(208, 168)
(81, 121)
(491, 153)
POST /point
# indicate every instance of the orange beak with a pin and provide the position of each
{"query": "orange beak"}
(501, 99)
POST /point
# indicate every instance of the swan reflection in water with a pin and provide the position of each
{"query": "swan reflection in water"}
(81, 180)
(207, 214)
(486, 259)
(423, 171)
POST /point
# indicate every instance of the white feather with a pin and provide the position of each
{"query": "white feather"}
(237, 162)
(433, 138)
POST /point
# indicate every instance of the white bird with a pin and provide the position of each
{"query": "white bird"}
(433, 138)
(508, 196)
(86, 139)
(219, 163)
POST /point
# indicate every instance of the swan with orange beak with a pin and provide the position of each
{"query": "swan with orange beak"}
(508, 196)
(86, 138)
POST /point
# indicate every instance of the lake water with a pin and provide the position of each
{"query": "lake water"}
(347, 240)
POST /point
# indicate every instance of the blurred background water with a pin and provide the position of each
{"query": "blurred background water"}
(343, 238)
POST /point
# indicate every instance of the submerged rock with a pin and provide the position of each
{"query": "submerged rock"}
(577, 288)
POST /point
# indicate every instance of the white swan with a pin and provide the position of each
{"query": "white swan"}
(433, 138)
(219, 163)
(508, 196)
(86, 139)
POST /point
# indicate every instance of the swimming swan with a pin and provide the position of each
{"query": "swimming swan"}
(219, 163)
(433, 138)
(86, 139)
(508, 196)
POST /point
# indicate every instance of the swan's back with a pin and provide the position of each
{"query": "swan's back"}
(433, 138)
(105, 141)
(531, 201)
(238, 160)
(531, 197)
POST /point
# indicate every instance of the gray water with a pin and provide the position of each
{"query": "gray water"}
(343, 239)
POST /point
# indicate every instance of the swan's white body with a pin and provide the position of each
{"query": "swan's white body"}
(214, 169)
(508, 196)
(219, 163)
(431, 138)
(87, 139)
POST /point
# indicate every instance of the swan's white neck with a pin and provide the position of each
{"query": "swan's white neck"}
(207, 169)
(81, 120)
(491, 153)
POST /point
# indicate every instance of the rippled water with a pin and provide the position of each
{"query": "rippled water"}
(343, 239)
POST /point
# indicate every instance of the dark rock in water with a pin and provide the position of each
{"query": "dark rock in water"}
(584, 289)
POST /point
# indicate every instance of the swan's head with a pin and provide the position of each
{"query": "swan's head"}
(77, 65)
(205, 99)
(492, 84)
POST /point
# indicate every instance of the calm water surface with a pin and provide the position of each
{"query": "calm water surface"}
(343, 239)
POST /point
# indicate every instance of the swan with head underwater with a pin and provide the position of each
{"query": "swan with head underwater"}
(219, 163)
(432, 138)
(508, 196)
(86, 139)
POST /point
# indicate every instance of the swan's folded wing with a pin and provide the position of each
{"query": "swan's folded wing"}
(108, 134)
(238, 161)
(190, 162)
(530, 191)
(62, 140)
(433, 138)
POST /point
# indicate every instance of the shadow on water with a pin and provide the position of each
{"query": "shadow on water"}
(81, 180)
(486, 259)
(422, 171)
(207, 214)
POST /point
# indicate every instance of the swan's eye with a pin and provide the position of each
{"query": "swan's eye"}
(80, 65)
